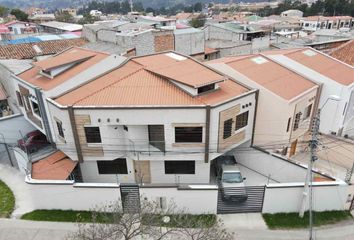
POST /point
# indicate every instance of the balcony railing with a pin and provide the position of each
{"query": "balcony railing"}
(147, 147)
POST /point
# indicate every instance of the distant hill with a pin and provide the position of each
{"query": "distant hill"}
(55, 4)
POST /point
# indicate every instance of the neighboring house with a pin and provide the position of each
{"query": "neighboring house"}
(59, 27)
(292, 13)
(285, 103)
(4, 32)
(157, 21)
(7, 68)
(159, 118)
(314, 23)
(141, 38)
(18, 27)
(344, 53)
(38, 49)
(334, 77)
(54, 76)
(234, 36)
(41, 18)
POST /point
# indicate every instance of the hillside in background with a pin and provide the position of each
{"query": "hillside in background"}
(55, 4)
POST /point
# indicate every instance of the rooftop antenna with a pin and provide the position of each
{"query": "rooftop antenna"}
(131, 5)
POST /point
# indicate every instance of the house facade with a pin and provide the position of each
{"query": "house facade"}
(313, 23)
(286, 100)
(159, 118)
(335, 79)
(53, 76)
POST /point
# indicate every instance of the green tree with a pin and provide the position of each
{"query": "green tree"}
(64, 17)
(20, 15)
(198, 21)
(198, 7)
(3, 11)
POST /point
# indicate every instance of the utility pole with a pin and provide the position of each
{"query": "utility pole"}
(307, 194)
(131, 5)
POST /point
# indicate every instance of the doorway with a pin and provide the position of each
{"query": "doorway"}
(293, 148)
(142, 172)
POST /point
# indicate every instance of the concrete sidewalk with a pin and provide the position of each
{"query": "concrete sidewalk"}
(13, 229)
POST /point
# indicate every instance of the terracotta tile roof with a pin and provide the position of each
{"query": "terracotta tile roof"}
(71, 56)
(324, 65)
(134, 84)
(181, 69)
(344, 53)
(269, 74)
(56, 166)
(26, 51)
(34, 77)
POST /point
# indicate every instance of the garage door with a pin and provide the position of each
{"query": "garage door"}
(240, 199)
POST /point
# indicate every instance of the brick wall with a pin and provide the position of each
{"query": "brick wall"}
(164, 41)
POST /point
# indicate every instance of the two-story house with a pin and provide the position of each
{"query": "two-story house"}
(334, 77)
(159, 118)
(53, 76)
(286, 99)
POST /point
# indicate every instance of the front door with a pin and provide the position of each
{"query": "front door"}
(293, 148)
(142, 171)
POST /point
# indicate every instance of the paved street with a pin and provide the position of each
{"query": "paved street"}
(12, 229)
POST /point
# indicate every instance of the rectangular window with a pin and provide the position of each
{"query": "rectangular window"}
(36, 108)
(241, 120)
(92, 134)
(297, 121)
(227, 128)
(117, 166)
(188, 134)
(125, 128)
(179, 167)
(206, 88)
(19, 99)
(308, 111)
(60, 128)
(288, 126)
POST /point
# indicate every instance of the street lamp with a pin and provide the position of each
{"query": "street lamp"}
(313, 157)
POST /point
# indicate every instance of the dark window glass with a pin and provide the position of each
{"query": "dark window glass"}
(206, 88)
(227, 128)
(297, 121)
(179, 167)
(308, 111)
(92, 134)
(19, 99)
(241, 120)
(36, 108)
(188, 134)
(117, 166)
(288, 126)
(60, 129)
(125, 128)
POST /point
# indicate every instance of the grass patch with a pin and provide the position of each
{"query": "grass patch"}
(292, 220)
(185, 220)
(67, 216)
(182, 221)
(7, 200)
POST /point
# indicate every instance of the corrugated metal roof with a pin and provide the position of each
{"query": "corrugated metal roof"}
(48, 37)
(16, 66)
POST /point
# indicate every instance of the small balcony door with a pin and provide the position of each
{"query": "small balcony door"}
(157, 136)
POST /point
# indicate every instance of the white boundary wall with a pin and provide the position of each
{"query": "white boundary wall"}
(286, 197)
(193, 201)
(65, 195)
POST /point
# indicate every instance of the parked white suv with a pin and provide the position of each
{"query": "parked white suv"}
(231, 181)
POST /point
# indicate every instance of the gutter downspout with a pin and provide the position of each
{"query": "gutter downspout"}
(75, 134)
(207, 133)
(44, 116)
(254, 117)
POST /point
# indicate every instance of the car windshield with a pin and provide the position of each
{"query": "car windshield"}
(232, 177)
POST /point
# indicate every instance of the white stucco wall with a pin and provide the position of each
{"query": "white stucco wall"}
(196, 201)
(288, 198)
